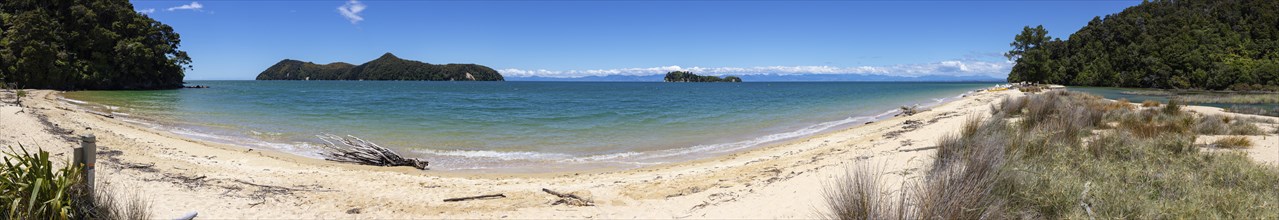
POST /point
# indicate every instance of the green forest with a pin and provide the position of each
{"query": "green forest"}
(1183, 44)
(87, 44)
(387, 67)
(685, 76)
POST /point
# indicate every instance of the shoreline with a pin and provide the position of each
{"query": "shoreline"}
(780, 180)
(595, 163)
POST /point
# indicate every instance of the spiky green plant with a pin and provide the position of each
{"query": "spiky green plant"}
(31, 188)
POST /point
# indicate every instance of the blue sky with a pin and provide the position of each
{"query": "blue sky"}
(238, 39)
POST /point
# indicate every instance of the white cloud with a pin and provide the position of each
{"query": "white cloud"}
(949, 68)
(146, 11)
(351, 10)
(193, 6)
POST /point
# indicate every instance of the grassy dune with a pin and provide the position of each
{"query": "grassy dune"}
(1075, 155)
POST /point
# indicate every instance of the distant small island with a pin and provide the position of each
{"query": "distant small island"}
(685, 76)
(386, 67)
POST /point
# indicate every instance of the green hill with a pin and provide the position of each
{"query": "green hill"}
(685, 76)
(387, 67)
(1183, 44)
(87, 44)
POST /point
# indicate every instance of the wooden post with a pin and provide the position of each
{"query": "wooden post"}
(87, 155)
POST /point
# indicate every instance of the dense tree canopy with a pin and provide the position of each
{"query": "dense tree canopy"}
(387, 67)
(87, 44)
(685, 76)
(1182, 44)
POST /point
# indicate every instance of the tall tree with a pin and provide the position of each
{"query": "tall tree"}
(1030, 38)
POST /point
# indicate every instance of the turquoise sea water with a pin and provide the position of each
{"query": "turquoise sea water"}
(518, 126)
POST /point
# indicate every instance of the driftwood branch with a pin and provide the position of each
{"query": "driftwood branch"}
(568, 199)
(499, 195)
(356, 150)
(908, 110)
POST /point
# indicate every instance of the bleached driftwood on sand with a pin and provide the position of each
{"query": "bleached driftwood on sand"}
(356, 150)
(568, 199)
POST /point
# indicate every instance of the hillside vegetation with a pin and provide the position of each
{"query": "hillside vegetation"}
(685, 76)
(1184, 44)
(87, 44)
(387, 67)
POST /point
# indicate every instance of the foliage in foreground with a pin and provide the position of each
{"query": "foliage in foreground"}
(32, 188)
(1072, 155)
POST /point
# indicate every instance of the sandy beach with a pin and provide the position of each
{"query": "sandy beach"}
(782, 180)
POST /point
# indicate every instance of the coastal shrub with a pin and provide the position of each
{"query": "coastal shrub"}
(1150, 103)
(32, 188)
(1030, 89)
(1146, 168)
(1233, 142)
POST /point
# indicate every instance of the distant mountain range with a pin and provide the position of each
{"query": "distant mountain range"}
(783, 78)
(386, 67)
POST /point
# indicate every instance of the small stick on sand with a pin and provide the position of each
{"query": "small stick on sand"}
(499, 195)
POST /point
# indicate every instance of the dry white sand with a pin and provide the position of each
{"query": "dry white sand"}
(782, 180)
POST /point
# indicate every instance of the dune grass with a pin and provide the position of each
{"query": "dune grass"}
(1226, 125)
(1233, 142)
(1062, 160)
(1254, 110)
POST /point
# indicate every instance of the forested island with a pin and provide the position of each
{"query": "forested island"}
(87, 44)
(685, 76)
(1184, 44)
(387, 67)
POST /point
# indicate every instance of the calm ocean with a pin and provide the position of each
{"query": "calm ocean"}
(518, 126)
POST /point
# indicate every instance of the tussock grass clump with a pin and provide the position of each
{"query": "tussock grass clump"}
(1117, 105)
(1011, 106)
(1150, 103)
(1226, 125)
(1173, 107)
(1049, 164)
(1244, 127)
(856, 195)
(1233, 142)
